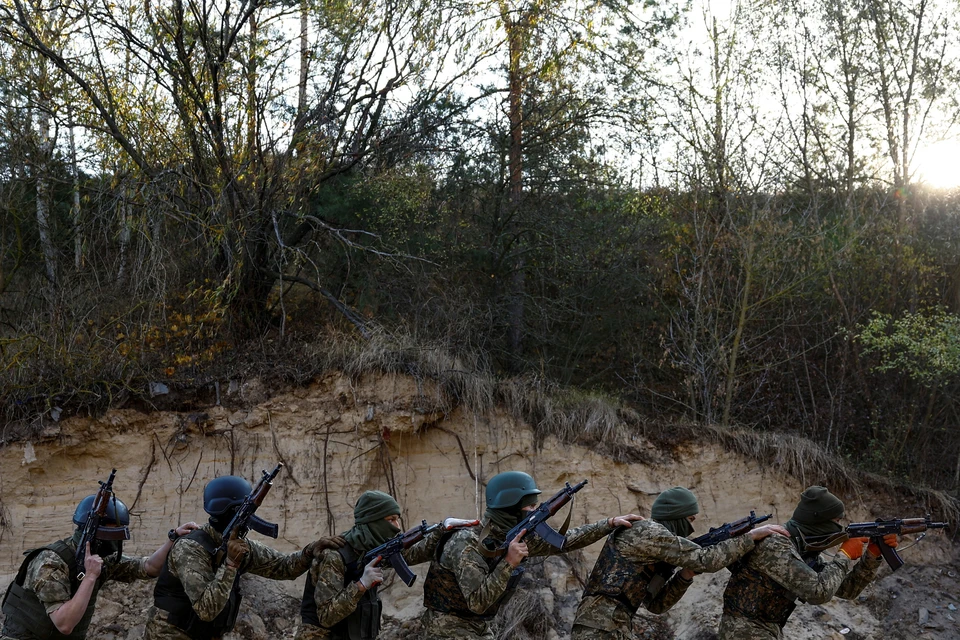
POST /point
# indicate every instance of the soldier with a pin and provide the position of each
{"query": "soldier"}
(48, 600)
(622, 579)
(340, 600)
(763, 589)
(465, 588)
(196, 600)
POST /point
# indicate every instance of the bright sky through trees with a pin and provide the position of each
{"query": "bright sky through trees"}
(938, 165)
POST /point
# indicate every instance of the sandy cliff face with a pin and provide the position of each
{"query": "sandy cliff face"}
(340, 437)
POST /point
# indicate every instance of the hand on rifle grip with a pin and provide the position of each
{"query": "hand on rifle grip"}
(853, 548)
(237, 549)
(372, 574)
(891, 540)
(92, 564)
(517, 550)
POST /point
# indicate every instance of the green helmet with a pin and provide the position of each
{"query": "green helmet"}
(506, 489)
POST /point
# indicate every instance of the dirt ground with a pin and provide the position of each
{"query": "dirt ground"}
(891, 608)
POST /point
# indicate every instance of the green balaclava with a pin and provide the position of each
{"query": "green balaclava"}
(672, 508)
(508, 517)
(814, 516)
(370, 529)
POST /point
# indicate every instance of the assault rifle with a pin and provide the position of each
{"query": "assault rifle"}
(662, 571)
(875, 531)
(246, 519)
(392, 550)
(536, 520)
(92, 530)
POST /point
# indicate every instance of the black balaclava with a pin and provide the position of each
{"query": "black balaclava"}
(108, 550)
(220, 522)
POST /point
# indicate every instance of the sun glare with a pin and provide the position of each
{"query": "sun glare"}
(938, 165)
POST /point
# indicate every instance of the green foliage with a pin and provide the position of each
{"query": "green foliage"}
(924, 346)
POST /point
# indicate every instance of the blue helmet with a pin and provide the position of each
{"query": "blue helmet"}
(224, 493)
(117, 514)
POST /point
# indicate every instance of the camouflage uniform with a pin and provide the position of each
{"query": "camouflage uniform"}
(49, 577)
(604, 617)
(334, 600)
(209, 589)
(777, 571)
(482, 588)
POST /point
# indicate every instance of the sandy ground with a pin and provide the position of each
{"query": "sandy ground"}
(915, 602)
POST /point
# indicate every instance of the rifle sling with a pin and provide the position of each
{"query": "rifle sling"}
(566, 523)
(488, 553)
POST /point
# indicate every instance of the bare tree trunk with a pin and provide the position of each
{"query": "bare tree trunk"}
(43, 197)
(75, 206)
(126, 222)
(738, 334)
(515, 309)
(252, 123)
(304, 59)
(718, 162)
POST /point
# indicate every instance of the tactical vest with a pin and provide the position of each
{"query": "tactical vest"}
(363, 623)
(27, 618)
(754, 595)
(441, 591)
(170, 596)
(617, 577)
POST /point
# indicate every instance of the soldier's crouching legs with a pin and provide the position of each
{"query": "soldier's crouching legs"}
(440, 626)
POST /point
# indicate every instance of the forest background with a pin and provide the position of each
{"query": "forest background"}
(711, 215)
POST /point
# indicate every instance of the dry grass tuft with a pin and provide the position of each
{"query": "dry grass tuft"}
(524, 617)
(462, 377)
(604, 423)
(793, 455)
(568, 414)
(812, 464)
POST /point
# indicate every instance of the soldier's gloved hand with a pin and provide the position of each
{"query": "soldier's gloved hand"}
(760, 533)
(853, 548)
(92, 564)
(315, 549)
(237, 550)
(372, 574)
(687, 574)
(517, 550)
(456, 523)
(890, 540)
(626, 520)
